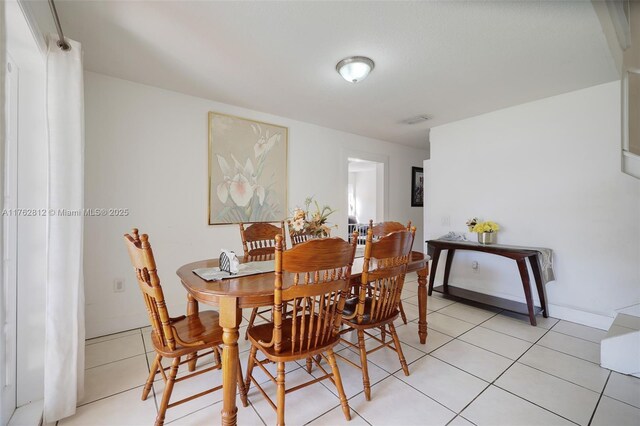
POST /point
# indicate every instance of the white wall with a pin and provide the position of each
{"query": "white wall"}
(32, 194)
(146, 150)
(549, 173)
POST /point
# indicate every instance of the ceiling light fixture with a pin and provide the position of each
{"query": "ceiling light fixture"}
(355, 68)
(417, 119)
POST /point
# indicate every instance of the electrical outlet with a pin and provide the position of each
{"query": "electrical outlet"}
(118, 285)
(446, 221)
(474, 266)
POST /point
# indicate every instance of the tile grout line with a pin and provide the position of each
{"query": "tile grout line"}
(459, 319)
(571, 335)
(565, 353)
(458, 415)
(454, 366)
(419, 391)
(86, 342)
(306, 423)
(558, 377)
(613, 397)
(501, 374)
(599, 399)
(533, 403)
(388, 374)
(518, 396)
(109, 396)
(117, 360)
(489, 350)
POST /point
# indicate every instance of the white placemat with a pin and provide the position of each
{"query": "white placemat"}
(244, 269)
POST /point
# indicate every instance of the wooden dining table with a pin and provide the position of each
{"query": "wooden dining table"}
(234, 294)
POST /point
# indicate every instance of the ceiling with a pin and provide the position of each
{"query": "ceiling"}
(450, 60)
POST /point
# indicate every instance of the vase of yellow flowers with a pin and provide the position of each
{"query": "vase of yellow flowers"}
(313, 223)
(471, 223)
(487, 232)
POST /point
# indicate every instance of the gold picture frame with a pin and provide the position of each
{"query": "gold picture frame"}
(247, 161)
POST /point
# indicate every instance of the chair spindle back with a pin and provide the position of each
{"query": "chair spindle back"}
(299, 238)
(260, 238)
(383, 273)
(317, 275)
(383, 228)
(144, 266)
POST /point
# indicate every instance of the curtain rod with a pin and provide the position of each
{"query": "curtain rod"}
(62, 44)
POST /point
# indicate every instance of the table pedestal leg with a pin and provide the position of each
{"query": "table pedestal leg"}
(422, 303)
(230, 317)
(192, 309)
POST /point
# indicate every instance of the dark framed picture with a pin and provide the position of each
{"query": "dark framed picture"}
(417, 187)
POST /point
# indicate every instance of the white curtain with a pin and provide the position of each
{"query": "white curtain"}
(64, 337)
(4, 416)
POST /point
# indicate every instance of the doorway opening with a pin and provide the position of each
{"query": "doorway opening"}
(366, 194)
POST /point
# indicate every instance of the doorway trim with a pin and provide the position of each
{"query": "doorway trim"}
(8, 312)
(345, 154)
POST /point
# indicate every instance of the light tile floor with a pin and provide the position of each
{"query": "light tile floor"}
(482, 367)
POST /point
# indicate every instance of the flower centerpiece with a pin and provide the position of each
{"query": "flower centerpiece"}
(471, 223)
(314, 223)
(486, 231)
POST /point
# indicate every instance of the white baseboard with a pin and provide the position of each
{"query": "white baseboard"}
(578, 316)
(590, 319)
(28, 415)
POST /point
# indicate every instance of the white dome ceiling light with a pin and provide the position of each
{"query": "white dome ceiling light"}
(355, 68)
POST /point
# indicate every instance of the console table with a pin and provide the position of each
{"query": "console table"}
(541, 266)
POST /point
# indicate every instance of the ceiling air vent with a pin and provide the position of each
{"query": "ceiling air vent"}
(417, 119)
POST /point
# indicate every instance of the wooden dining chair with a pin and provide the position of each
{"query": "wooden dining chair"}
(377, 305)
(259, 244)
(179, 338)
(297, 238)
(383, 228)
(312, 278)
(380, 230)
(260, 238)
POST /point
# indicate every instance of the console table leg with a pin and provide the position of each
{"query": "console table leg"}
(434, 267)
(535, 267)
(422, 304)
(447, 270)
(524, 275)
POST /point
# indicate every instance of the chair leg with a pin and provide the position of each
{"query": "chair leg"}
(168, 388)
(216, 355)
(280, 394)
(396, 341)
(402, 314)
(364, 367)
(338, 380)
(250, 365)
(383, 334)
(252, 318)
(193, 359)
(309, 365)
(152, 376)
(241, 387)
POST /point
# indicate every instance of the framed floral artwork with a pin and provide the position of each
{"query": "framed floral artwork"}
(417, 187)
(247, 170)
